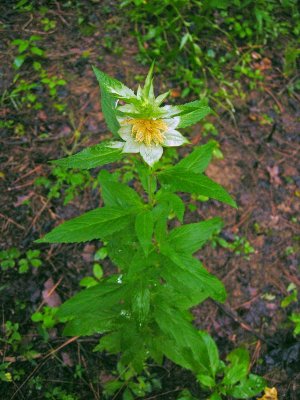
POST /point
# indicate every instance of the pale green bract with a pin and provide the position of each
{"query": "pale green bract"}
(142, 311)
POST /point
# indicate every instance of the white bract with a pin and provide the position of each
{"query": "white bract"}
(148, 136)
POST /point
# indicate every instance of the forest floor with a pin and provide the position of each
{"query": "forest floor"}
(260, 168)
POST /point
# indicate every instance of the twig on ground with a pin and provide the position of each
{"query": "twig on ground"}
(238, 320)
(12, 221)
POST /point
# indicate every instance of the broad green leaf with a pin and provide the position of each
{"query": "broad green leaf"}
(193, 117)
(141, 302)
(248, 387)
(212, 351)
(187, 343)
(199, 159)
(117, 194)
(91, 157)
(114, 87)
(192, 106)
(111, 89)
(238, 367)
(186, 271)
(122, 254)
(171, 350)
(182, 180)
(144, 225)
(174, 202)
(93, 310)
(161, 214)
(108, 107)
(95, 224)
(191, 237)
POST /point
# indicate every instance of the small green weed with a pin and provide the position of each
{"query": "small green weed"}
(239, 245)
(180, 35)
(58, 393)
(27, 48)
(65, 184)
(46, 317)
(131, 384)
(48, 24)
(295, 318)
(12, 258)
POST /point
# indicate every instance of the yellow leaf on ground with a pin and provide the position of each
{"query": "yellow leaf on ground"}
(270, 394)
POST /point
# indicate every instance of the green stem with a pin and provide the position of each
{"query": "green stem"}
(150, 194)
(151, 188)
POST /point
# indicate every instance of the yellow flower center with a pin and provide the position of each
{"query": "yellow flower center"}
(148, 131)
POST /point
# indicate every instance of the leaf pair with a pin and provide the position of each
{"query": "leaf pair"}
(187, 176)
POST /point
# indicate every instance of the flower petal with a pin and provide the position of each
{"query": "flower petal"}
(116, 145)
(121, 119)
(174, 138)
(151, 154)
(131, 146)
(172, 122)
(168, 110)
(125, 132)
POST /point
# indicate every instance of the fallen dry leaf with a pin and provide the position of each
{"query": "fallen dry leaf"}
(270, 394)
(50, 296)
(274, 175)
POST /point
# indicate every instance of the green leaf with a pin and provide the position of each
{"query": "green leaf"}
(93, 310)
(113, 86)
(215, 396)
(144, 225)
(91, 157)
(37, 51)
(199, 159)
(174, 202)
(238, 367)
(184, 40)
(180, 340)
(141, 302)
(191, 237)
(206, 381)
(117, 194)
(108, 107)
(191, 348)
(193, 112)
(19, 61)
(148, 87)
(88, 281)
(186, 271)
(182, 180)
(212, 352)
(97, 271)
(248, 387)
(122, 254)
(95, 224)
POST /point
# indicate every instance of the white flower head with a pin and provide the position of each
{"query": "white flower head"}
(145, 127)
(148, 136)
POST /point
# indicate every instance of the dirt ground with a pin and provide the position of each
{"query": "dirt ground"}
(260, 143)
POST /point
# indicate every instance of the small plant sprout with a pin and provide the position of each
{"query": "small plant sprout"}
(143, 310)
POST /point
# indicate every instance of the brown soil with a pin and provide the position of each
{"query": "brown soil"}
(260, 168)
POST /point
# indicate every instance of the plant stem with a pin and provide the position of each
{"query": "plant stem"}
(150, 189)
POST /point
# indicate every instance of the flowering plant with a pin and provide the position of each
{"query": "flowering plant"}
(142, 311)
